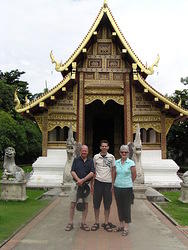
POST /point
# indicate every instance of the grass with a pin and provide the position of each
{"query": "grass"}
(176, 209)
(14, 214)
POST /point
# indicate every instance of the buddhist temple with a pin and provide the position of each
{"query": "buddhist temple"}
(103, 94)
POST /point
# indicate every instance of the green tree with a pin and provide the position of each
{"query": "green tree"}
(24, 135)
(12, 134)
(177, 139)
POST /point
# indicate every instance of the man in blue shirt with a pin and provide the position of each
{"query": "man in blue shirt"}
(82, 171)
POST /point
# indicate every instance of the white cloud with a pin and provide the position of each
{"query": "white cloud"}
(30, 29)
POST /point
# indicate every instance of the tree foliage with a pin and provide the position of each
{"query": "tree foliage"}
(177, 139)
(24, 135)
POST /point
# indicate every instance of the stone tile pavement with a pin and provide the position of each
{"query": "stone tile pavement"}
(149, 230)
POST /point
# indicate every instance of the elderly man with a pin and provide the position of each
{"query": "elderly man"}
(82, 171)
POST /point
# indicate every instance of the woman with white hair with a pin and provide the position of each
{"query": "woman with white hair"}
(124, 176)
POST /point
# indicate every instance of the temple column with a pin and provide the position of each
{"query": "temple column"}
(163, 136)
(128, 135)
(81, 110)
(44, 134)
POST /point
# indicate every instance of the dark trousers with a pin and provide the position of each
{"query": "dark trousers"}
(124, 199)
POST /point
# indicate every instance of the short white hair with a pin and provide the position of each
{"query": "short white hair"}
(124, 148)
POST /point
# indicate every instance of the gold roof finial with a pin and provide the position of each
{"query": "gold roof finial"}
(105, 4)
(155, 64)
(57, 64)
(179, 103)
(16, 100)
(26, 100)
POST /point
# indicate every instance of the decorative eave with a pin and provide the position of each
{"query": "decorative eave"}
(42, 98)
(104, 10)
(158, 96)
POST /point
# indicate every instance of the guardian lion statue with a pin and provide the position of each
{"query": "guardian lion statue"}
(185, 178)
(11, 170)
(67, 177)
(135, 150)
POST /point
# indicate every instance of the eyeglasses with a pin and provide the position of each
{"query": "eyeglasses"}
(124, 152)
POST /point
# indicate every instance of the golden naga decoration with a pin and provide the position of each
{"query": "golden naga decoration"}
(16, 100)
(155, 64)
(58, 66)
(26, 100)
(179, 103)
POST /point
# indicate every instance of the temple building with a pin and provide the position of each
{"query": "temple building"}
(103, 94)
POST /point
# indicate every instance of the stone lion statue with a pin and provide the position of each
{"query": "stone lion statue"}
(11, 170)
(185, 178)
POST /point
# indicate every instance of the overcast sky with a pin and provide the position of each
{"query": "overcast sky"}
(31, 29)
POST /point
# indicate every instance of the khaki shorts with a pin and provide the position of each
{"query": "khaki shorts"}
(73, 193)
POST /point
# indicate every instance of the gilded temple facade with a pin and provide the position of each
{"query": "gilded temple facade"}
(103, 95)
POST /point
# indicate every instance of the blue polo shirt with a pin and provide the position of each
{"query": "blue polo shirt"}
(82, 168)
(123, 174)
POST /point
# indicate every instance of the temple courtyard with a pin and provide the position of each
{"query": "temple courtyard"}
(149, 230)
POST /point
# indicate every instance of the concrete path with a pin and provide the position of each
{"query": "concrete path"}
(149, 230)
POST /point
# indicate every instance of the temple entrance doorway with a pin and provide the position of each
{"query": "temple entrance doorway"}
(104, 121)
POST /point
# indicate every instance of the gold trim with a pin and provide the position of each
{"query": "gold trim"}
(146, 125)
(38, 119)
(17, 101)
(168, 124)
(62, 124)
(161, 97)
(104, 98)
(146, 118)
(44, 96)
(105, 10)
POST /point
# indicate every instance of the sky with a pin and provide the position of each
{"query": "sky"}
(29, 30)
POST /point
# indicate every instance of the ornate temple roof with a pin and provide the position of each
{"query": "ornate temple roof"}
(105, 10)
(139, 69)
(23, 108)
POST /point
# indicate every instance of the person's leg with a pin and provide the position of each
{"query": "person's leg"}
(107, 199)
(84, 214)
(118, 198)
(71, 212)
(69, 226)
(97, 198)
(84, 226)
(127, 200)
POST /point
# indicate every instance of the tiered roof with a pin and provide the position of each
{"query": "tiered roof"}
(140, 72)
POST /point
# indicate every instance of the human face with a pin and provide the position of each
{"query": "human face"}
(124, 154)
(104, 148)
(84, 152)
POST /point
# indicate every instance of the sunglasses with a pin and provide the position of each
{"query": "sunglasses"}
(124, 152)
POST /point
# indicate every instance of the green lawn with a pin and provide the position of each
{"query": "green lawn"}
(176, 209)
(14, 214)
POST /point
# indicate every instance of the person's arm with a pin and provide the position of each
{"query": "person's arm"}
(88, 177)
(133, 173)
(113, 173)
(94, 174)
(79, 181)
(113, 176)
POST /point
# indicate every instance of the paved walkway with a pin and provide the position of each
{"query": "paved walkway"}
(149, 230)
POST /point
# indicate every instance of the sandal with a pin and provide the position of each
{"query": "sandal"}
(118, 229)
(125, 232)
(69, 227)
(95, 227)
(107, 228)
(84, 227)
(110, 224)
